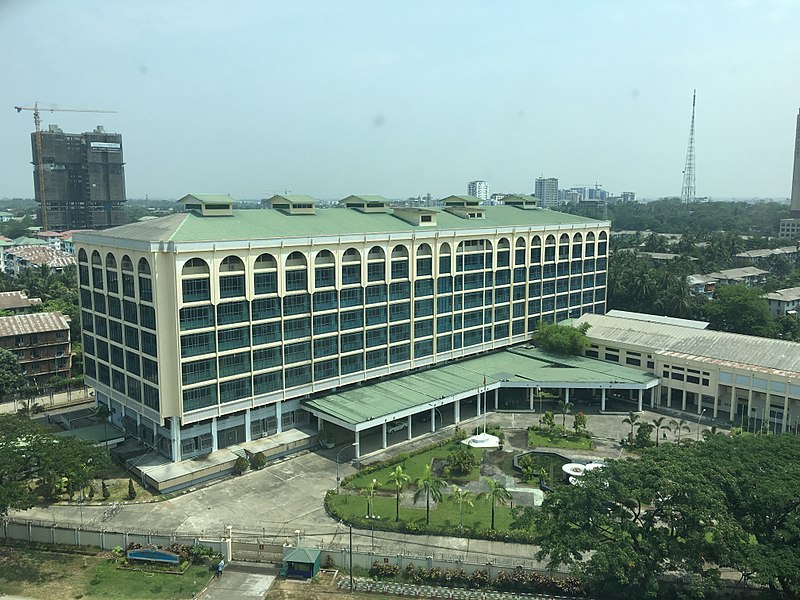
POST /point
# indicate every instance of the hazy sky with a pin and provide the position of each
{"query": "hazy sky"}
(330, 98)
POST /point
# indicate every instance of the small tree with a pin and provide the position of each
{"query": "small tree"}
(678, 427)
(131, 490)
(398, 478)
(548, 420)
(461, 460)
(497, 494)
(563, 339)
(240, 466)
(258, 461)
(104, 490)
(580, 423)
(566, 407)
(659, 425)
(631, 420)
(643, 432)
(429, 486)
(461, 497)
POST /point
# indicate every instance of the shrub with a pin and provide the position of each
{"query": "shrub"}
(384, 570)
(131, 490)
(106, 493)
(461, 461)
(258, 460)
(240, 466)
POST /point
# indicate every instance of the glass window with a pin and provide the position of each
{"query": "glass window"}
(266, 308)
(376, 293)
(351, 297)
(234, 389)
(296, 280)
(266, 333)
(194, 344)
(351, 319)
(229, 339)
(297, 304)
(196, 290)
(266, 283)
(326, 347)
(234, 364)
(195, 317)
(296, 328)
(351, 274)
(145, 289)
(299, 375)
(266, 358)
(299, 352)
(231, 286)
(199, 397)
(233, 312)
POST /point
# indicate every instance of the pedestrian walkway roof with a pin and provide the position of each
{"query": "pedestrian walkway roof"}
(369, 405)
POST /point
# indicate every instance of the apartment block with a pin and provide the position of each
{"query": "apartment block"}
(41, 343)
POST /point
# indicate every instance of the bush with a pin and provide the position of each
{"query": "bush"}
(258, 461)
(106, 493)
(240, 466)
(131, 490)
(461, 461)
(384, 570)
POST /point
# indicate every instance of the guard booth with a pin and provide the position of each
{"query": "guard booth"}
(300, 563)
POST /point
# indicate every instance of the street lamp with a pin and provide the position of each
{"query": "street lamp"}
(337, 464)
(372, 518)
(699, 419)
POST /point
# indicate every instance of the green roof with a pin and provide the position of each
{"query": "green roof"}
(209, 198)
(247, 225)
(302, 555)
(29, 241)
(521, 365)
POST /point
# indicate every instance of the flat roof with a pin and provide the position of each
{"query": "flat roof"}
(657, 319)
(247, 225)
(514, 367)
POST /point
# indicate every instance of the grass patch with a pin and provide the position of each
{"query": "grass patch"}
(41, 574)
(538, 439)
(445, 514)
(415, 467)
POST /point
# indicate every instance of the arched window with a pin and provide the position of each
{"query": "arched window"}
(195, 266)
(424, 250)
(111, 262)
(96, 258)
(602, 235)
(296, 272)
(265, 261)
(296, 259)
(127, 263)
(550, 241)
(424, 260)
(445, 258)
(324, 257)
(231, 264)
(577, 246)
(144, 266)
(520, 243)
(376, 253)
(324, 270)
(577, 239)
(536, 250)
(590, 236)
(351, 255)
(445, 249)
(536, 241)
(503, 244)
(399, 262)
(503, 252)
(82, 256)
(564, 239)
(351, 266)
(399, 251)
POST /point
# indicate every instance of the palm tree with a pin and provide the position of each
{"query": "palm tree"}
(566, 407)
(631, 420)
(429, 486)
(678, 427)
(659, 424)
(461, 497)
(398, 478)
(497, 494)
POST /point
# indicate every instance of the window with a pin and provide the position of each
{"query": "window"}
(231, 286)
(195, 344)
(196, 290)
(148, 317)
(234, 364)
(199, 370)
(266, 358)
(351, 364)
(299, 375)
(195, 317)
(423, 287)
(352, 341)
(297, 304)
(130, 312)
(376, 271)
(299, 352)
(326, 369)
(267, 382)
(266, 283)
(351, 297)
(266, 333)
(297, 328)
(324, 277)
(375, 315)
(399, 353)
(199, 397)
(325, 300)
(146, 289)
(351, 319)
(376, 337)
(376, 294)
(132, 362)
(266, 308)
(400, 311)
(229, 339)
(150, 370)
(325, 324)
(398, 333)
(296, 281)
(234, 390)
(151, 397)
(351, 274)
(149, 344)
(233, 312)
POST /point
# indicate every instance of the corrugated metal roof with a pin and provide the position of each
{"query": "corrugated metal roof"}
(245, 225)
(42, 255)
(386, 399)
(657, 319)
(764, 353)
(33, 323)
(785, 295)
(18, 299)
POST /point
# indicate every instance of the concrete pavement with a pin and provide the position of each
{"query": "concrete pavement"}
(240, 581)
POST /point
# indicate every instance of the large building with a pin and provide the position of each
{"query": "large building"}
(479, 189)
(41, 343)
(547, 191)
(84, 178)
(207, 328)
(790, 228)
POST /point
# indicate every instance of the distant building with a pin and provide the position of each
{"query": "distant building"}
(790, 228)
(547, 191)
(497, 198)
(40, 342)
(479, 189)
(707, 283)
(5, 217)
(19, 258)
(784, 302)
(17, 302)
(750, 257)
(84, 178)
(628, 196)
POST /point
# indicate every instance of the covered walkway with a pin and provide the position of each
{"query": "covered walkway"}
(453, 392)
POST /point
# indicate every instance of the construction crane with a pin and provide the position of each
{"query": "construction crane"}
(37, 121)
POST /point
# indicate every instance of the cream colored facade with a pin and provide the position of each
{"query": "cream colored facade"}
(241, 330)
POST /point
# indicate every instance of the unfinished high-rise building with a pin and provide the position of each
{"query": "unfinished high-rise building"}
(790, 228)
(83, 179)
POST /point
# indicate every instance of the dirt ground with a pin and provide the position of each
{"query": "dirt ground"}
(322, 588)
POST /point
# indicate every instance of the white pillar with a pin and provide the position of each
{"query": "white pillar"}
(478, 413)
(457, 411)
(566, 394)
(320, 423)
(496, 396)
(175, 437)
(654, 391)
(247, 430)
(785, 423)
(683, 399)
(641, 394)
(530, 399)
(733, 404)
(749, 402)
(408, 427)
(358, 444)
(214, 446)
(383, 434)
(279, 416)
(603, 400)
(433, 420)
(715, 410)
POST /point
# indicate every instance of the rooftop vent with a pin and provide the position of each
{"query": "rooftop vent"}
(522, 201)
(417, 216)
(462, 201)
(293, 204)
(208, 205)
(367, 204)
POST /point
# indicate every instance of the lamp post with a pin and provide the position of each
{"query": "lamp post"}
(337, 464)
(699, 419)
(372, 518)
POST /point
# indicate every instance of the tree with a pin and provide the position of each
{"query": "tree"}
(678, 427)
(566, 407)
(497, 494)
(12, 378)
(131, 490)
(631, 420)
(740, 309)
(580, 422)
(642, 437)
(33, 460)
(461, 460)
(240, 465)
(563, 339)
(461, 497)
(258, 461)
(398, 478)
(548, 420)
(659, 425)
(430, 487)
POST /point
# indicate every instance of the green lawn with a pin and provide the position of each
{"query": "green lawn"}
(538, 439)
(110, 582)
(443, 514)
(414, 466)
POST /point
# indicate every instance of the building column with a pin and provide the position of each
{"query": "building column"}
(478, 404)
(669, 396)
(247, 429)
(683, 399)
(279, 417)
(566, 395)
(785, 423)
(749, 403)
(357, 443)
(214, 446)
(530, 399)
(603, 400)
(320, 424)
(641, 394)
(383, 435)
(768, 410)
(408, 427)
(433, 419)
(496, 396)
(175, 437)
(457, 411)
(715, 410)
(653, 392)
